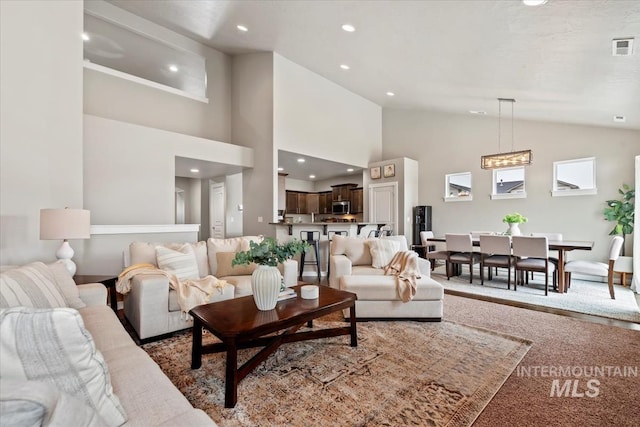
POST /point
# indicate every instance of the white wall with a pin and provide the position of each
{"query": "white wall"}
(111, 97)
(252, 126)
(316, 117)
(191, 189)
(449, 143)
(130, 170)
(41, 122)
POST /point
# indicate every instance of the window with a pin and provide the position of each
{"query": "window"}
(457, 187)
(574, 177)
(508, 183)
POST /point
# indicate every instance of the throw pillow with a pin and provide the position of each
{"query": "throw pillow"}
(182, 262)
(37, 403)
(234, 244)
(32, 285)
(66, 284)
(52, 345)
(382, 251)
(357, 250)
(226, 269)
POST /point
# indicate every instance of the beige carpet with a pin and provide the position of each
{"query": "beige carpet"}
(401, 373)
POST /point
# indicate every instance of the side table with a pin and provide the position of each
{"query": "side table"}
(107, 280)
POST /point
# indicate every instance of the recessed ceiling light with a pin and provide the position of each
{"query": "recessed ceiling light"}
(348, 28)
(344, 66)
(300, 160)
(350, 170)
(391, 94)
(482, 113)
(312, 176)
(280, 169)
(619, 119)
(534, 2)
(242, 28)
(173, 68)
(85, 37)
(194, 170)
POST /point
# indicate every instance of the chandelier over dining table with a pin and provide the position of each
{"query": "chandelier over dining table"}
(506, 159)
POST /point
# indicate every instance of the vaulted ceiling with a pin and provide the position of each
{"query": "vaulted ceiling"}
(454, 56)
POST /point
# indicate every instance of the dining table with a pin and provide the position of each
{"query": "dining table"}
(562, 246)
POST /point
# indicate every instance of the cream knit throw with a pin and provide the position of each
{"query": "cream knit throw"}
(404, 265)
(191, 292)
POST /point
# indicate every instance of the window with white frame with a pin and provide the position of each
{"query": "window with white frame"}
(457, 187)
(574, 177)
(508, 183)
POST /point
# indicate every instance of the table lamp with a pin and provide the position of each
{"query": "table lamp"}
(65, 224)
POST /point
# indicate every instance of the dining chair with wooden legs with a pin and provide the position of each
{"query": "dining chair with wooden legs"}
(532, 254)
(460, 251)
(495, 251)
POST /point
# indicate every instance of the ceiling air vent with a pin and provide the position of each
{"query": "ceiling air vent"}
(622, 47)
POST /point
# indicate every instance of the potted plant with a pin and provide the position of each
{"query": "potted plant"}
(513, 220)
(266, 278)
(621, 211)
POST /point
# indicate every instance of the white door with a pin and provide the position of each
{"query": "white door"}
(216, 210)
(383, 204)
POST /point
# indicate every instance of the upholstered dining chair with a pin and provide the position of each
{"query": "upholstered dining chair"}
(532, 254)
(460, 251)
(594, 268)
(495, 251)
(555, 237)
(432, 255)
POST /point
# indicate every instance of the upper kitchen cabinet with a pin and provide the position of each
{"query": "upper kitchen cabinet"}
(313, 203)
(357, 205)
(342, 192)
(297, 202)
(325, 199)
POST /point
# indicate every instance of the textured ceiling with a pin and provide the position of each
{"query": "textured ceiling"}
(452, 56)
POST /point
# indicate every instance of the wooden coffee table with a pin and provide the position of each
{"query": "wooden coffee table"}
(239, 324)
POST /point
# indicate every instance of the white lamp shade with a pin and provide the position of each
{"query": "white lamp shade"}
(64, 224)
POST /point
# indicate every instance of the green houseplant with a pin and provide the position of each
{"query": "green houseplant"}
(513, 219)
(266, 279)
(621, 211)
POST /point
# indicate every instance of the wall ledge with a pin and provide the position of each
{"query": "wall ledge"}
(144, 229)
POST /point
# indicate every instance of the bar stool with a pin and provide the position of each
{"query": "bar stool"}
(330, 235)
(313, 239)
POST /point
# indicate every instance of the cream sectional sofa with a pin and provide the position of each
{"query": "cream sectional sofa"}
(356, 266)
(151, 307)
(135, 392)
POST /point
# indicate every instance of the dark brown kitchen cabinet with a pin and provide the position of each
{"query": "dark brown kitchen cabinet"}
(313, 203)
(357, 205)
(325, 198)
(296, 202)
(342, 192)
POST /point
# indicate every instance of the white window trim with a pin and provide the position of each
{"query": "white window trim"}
(580, 192)
(519, 195)
(468, 198)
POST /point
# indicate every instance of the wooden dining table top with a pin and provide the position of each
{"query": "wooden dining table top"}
(555, 245)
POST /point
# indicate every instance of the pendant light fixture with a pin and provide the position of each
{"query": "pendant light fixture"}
(509, 159)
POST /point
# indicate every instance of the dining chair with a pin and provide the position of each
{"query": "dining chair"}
(594, 268)
(495, 251)
(460, 251)
(554, 260)
(429, 250)
(532, 254)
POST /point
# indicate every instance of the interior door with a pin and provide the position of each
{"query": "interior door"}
(383, 204)
(217, 210)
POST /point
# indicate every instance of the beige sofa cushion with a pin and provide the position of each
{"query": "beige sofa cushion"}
(235, 244)
(384, 288)
(226, 269)
(145, 253)
(32, 340)
(32, 285)
(355, 248)
(66, 284)
(382, 251)
(181, 262)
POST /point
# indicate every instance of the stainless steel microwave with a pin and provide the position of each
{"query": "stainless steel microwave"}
(341, 208)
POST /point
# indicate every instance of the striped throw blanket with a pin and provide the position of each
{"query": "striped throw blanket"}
(191, 292)
(404, 265)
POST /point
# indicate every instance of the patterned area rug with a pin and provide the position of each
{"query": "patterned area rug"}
(583, 296)
(401, 373)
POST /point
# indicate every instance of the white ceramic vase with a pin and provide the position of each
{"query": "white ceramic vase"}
(514, 229)
(265, 285)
